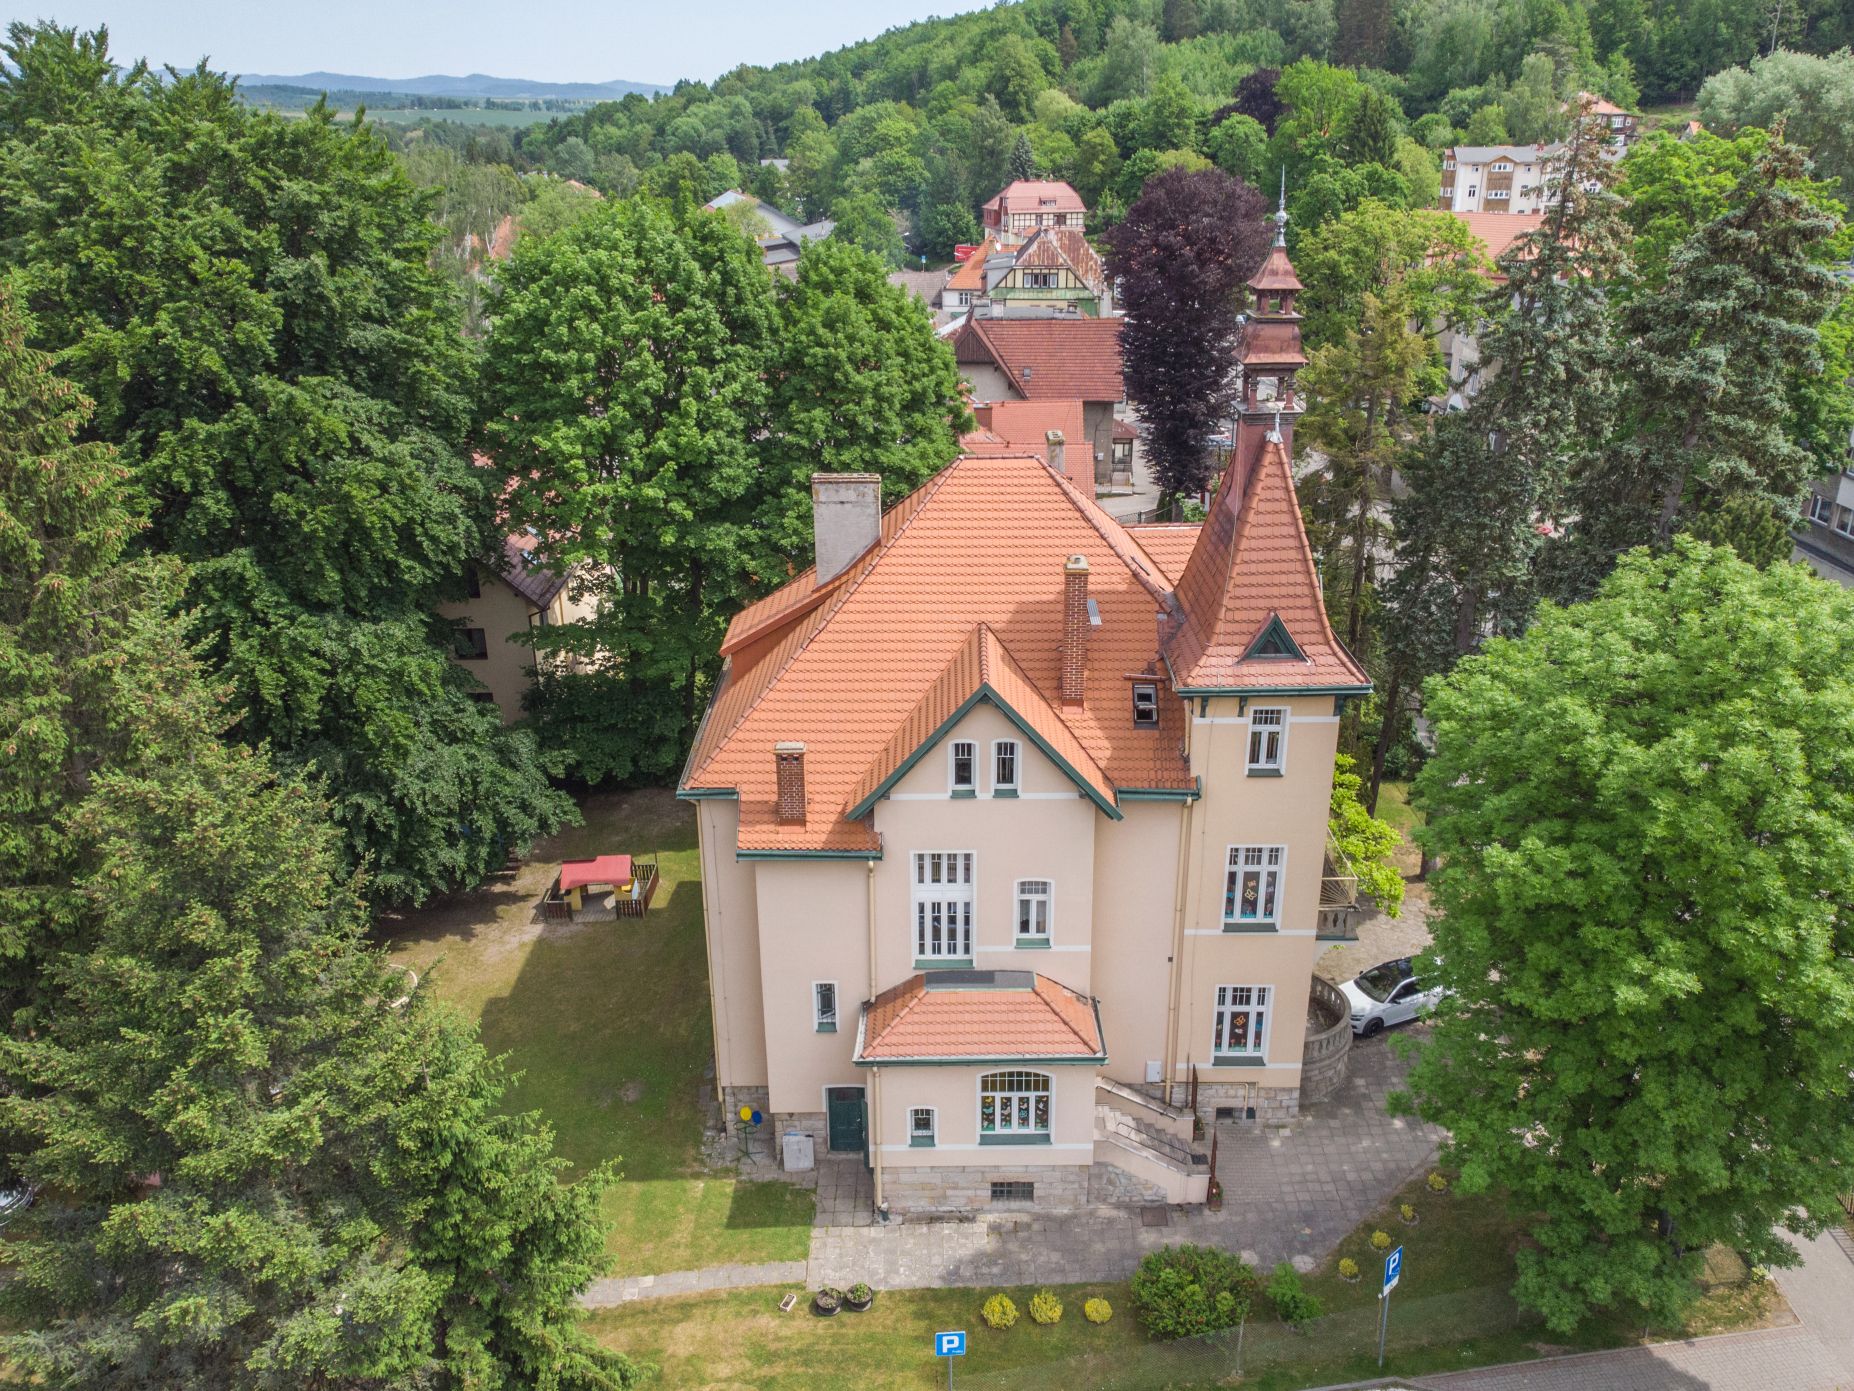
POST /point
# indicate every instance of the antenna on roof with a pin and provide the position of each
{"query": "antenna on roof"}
(1281, 216)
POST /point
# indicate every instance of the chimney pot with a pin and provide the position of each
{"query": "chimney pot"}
(1075, 627)
(790, 760)
(1057, 451)
(846, 518)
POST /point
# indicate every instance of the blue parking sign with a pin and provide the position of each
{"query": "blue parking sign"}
(1393, 1269)
(949, 1344)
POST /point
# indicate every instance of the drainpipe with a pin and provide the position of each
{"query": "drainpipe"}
(715, 976)
(1180, 896)
(872, 932)
(875, 1132)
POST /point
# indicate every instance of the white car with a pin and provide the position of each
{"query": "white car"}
(1388, 994)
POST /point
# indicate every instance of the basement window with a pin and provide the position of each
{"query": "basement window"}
(1012, 1191)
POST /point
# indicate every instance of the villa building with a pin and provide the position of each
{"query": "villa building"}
(1023, 205)
(499, 604)
(1013, 824)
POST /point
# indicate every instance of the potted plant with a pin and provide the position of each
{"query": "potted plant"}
(826, 1302)
(858, 1297)
(1213, 1195)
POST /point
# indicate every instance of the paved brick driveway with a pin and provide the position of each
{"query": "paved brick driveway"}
(1290, 1191)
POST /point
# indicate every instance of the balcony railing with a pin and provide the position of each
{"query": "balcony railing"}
(1339, 911)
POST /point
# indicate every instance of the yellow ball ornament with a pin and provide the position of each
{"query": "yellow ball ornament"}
(746, 1113)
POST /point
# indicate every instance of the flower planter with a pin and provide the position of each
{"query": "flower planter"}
(859, 1306)
(1351, 1279)
(824, 1311)
(1408, 1221)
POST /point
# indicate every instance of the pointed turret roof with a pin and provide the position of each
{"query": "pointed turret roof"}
(1250, 581)
(1277, 272)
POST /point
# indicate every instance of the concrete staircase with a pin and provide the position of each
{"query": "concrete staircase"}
(1150, 1143)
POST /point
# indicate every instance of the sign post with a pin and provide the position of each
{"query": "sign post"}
(1393, 1272)
(949, 1346)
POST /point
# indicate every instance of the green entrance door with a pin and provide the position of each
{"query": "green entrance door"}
(846, 1116)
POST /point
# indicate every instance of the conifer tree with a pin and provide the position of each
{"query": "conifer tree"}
(1703, 443)
(1023, 158)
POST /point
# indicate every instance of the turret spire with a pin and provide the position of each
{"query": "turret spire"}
(1281, 216)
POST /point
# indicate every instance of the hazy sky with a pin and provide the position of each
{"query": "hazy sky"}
(544, 40)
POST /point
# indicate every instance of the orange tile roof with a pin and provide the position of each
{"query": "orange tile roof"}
(1027, 195)
(843, 668)
(970, 274)
(1252, 566)
(981, 670)
(979, 1015)
(1023, 428)
(1067, 359)
(1498, 231)
(1169, 543)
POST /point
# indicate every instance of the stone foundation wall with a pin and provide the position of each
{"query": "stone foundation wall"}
(962, 1188)
(1272, 1104)
(1112, 1185)
(810, 1123)
(733, 1098)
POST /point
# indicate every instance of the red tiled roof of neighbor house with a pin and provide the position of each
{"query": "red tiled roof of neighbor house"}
(842, 668)
(970, 274)
(524, 575)
(1251, 569)
(979, 1015)
(1600, 105)
(1498, 231)
(1049, 359)
(1022, 427)
(1030, 195)
(1056, 248)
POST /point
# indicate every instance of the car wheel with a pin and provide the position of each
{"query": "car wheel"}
(1373, 1027)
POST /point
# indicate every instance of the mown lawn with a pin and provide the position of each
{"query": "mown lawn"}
(607, 1025)
(1452, 1310)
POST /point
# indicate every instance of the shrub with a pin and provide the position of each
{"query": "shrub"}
(1348, 1268)
(1097, 1311)
(1437, 1184)
(861, 1293)
(1380, 1241)
(1292, 1302)
(1407, 1213)
(999, 1312)
(1186, 1291)
(1045, 1308)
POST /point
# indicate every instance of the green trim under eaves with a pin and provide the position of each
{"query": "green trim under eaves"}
(707, 794)
(983, 694)
(1158, 794)
(1271, 690)
(807, 854)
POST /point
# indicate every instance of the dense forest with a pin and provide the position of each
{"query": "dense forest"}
(903, 136)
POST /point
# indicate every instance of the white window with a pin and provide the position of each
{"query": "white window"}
(1844, 521)
(1502, 166)
(1012, 1106)
(921, 1125)
(1004, 766)
(1145, 703)
(1040, 279)
(963, 773)
(1034, 897)
(943, 905)
(1268, 739)
(1820, 508)
(1497, 192)
(1240, 1026)
(1448, 164)
(1252, 891)
(824, 1006)
(1472, 190)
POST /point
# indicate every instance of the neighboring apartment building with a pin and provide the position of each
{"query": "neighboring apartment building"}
(1055, 268)
(501, 603)
(1825, 536)
(1460, 349)
(1013, 825)
(1024, 205)
(784, 237)
(1049, 359)
(1495, 178)
(1623, 126)
(1053, 431)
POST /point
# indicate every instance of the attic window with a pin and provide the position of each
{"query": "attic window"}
(1274, 642)
(1094, 614)
(1145, 703)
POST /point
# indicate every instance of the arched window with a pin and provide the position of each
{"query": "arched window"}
(1013, 1105)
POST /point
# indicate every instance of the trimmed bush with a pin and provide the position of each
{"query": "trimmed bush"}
(999, 1312)
(1293, 1305)
(1097, 1311)
(1380, 1241)
(1187, 1291)
(1045, 1308)
(1348, 1268)
(1407, 1213)
(1437, 1184)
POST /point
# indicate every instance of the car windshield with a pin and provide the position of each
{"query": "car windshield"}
(1379, 981)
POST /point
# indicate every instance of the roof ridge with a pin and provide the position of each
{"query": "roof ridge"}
(1145, 569)
(1309, 571)
(926, 492)
(1038, 981)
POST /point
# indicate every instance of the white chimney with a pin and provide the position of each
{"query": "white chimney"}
(846, 516)
(1055, 444)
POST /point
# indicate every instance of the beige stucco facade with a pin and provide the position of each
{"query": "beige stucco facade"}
(1137, 922)
(506, 666)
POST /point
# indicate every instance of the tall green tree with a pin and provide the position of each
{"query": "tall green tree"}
(275, 1164)
(624, 394)
(1641, 813)
(1704, 442)
(251, 303)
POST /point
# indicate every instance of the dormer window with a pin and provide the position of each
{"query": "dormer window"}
(963, 778)
(1503, 166)
(1145, 703)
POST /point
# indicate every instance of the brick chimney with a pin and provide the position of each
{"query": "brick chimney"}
(846, 517)
(1056, 452)
(1075, 626)
(791, 801)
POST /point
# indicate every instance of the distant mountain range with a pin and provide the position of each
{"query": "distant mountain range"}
(476, 85)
